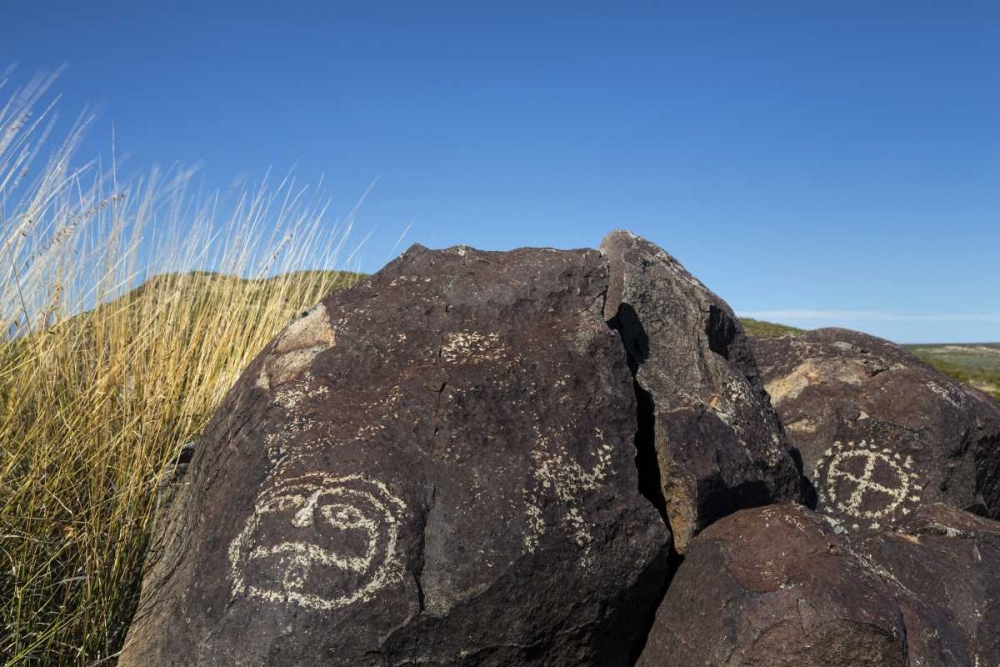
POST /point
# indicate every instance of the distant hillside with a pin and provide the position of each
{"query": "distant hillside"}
(758, 328)
(975, 364)
(195, 285)
(196, 290)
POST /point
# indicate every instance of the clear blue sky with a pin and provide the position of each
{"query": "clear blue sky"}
(816, 166)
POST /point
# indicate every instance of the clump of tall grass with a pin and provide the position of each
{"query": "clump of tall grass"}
(101, 384)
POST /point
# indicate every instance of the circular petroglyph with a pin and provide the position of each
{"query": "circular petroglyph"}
(864, 485)
(319, 541)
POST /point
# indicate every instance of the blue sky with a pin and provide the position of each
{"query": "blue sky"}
(814, 163)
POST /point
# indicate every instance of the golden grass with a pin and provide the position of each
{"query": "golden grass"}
(101, 385)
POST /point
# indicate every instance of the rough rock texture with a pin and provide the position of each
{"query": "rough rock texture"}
(778, 587)
(436, 466)
(880, 432)
(718, 443)
(951, 559)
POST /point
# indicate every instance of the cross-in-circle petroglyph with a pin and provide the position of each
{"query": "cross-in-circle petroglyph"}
(864, 486)
(319, 541)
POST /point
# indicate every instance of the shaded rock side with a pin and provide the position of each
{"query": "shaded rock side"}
(881, 432)
(778, 587)
(716, 445)
(436, 466)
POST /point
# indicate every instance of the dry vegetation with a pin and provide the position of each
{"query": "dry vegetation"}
(100, 385)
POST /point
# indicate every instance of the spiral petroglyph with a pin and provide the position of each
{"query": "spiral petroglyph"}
(865, 485)
(338, 542)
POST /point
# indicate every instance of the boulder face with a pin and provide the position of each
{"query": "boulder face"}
(775, 586)
(779, 586)
(434, 466)
(951, 559)
(880, 432)
(719, 446)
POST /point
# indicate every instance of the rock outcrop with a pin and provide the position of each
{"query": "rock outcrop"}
(879, 431)
(718, 443)
(458, 462)
(779, 586)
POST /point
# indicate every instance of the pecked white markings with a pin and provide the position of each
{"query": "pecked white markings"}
(893, 496)
(348, 504)
(556, 474)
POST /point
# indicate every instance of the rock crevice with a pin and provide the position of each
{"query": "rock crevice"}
(636, 344)
(718, 443)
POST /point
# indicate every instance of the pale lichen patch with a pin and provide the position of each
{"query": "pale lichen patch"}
(804, 425)
(296, 347)
(312, 330)
(945, 393)
(292, 397)
(815, 372)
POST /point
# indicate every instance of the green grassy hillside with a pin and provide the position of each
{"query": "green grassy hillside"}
(759, 328)
(976, 364)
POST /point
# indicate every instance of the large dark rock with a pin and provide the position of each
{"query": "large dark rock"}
(780, 587)
(459, 462)
(880, 432)
(718, 443)
(436, 466)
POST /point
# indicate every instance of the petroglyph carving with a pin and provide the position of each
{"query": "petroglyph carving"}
(338, 543)
(865, 484)
(296, 347)
(558, 476)
(471, 346)
(946, 393)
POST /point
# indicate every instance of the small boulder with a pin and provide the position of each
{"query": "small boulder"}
(711, 435)
(950, 558)
(780, 587)
(880, 432)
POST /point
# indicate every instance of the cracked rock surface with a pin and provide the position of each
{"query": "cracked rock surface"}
(880, 432)
(719, 445)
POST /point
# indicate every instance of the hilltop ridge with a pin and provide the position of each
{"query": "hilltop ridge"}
(976, 364)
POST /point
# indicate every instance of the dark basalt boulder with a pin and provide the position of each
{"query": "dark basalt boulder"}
(436, 466)
(880, 432)
(951, 559)
(718, 443)
(779, 587)
(457, 461)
